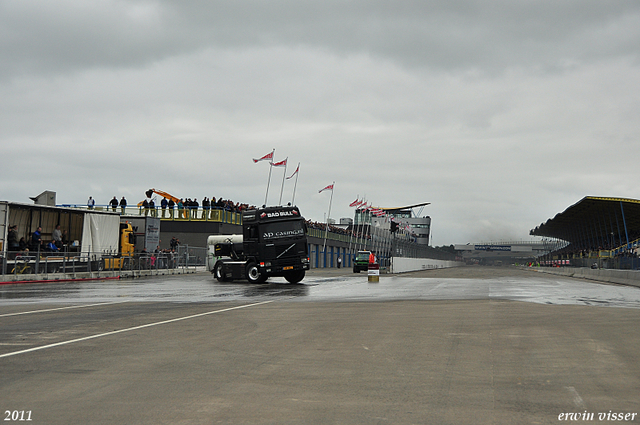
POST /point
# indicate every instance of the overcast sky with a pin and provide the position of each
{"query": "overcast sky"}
(501, 114)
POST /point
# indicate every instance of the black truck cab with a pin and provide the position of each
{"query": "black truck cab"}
(274, 243)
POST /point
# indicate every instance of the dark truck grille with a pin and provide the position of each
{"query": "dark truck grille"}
(287, 253)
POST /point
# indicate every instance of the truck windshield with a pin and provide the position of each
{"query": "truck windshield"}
(282, 230)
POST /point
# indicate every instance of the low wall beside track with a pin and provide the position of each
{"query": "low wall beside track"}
(98, 275)
(402, 264)
(624, 277)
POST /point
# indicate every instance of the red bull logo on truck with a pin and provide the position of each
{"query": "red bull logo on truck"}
(279, 214)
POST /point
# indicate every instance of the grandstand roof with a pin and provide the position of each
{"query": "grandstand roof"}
(592, 218)
(408, 207)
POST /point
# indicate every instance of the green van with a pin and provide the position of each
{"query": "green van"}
(361, 262)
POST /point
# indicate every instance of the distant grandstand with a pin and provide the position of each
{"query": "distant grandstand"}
(606, 230)
(505, 252)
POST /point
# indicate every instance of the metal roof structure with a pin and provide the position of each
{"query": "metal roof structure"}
(595, 222)
(408, 207)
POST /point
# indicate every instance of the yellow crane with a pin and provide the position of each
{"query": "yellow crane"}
(150, 192)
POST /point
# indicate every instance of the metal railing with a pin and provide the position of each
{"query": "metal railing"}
(41, 265)
(319, 233)
(617, 263)
(625, 257)
(214, 214)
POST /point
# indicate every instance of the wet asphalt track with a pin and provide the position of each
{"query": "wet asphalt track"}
(472, 345)
(334, 285)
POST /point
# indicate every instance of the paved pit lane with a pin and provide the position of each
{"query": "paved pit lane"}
(468, 345)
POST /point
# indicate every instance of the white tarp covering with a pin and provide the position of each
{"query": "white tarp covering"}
(100, 233)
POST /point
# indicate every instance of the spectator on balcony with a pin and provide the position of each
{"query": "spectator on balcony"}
(164, 204)
(172, 206)
(123, 205)
(205, 208)
(180, 208)
(194, 208)
(145, 205)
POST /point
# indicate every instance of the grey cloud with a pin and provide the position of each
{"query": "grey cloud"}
(45, 37)
(496, 112)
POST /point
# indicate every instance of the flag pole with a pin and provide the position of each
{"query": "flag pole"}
(363, 231)
(364, 216)
(326, 230)
(283, 176)
(295, 185)
(356, 228)
(360, 235)
(352, 227)
(269, 181)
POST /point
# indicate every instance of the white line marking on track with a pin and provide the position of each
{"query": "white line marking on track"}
(577, 400)
(61, 308)
(148, 325)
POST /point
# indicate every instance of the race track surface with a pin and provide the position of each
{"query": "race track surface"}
(467, 345)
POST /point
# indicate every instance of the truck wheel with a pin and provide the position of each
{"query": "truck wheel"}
(253, 275)
(294, 276)
(218, 272)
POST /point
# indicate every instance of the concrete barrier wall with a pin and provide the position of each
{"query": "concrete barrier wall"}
(401, 264)
(624, 277)
(105, 274)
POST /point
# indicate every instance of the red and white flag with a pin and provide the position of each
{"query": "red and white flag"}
(355, 203)
(330, 187)
(279, 164)
(294, 173)
(268, 156)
